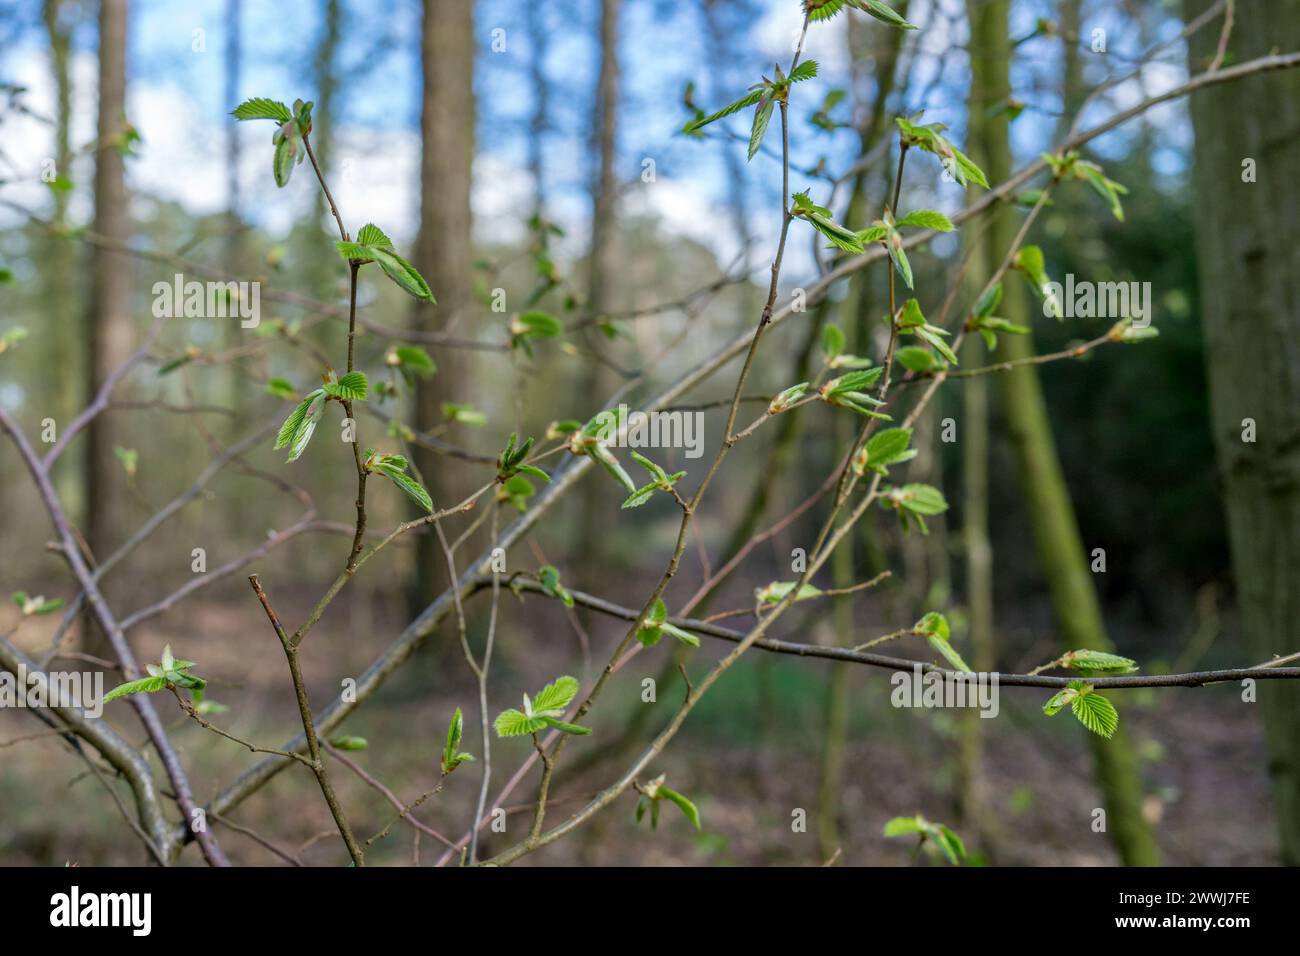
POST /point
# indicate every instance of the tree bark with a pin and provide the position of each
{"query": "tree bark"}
(444, 249)
(109, 318)
(64, 369)
(602, 266)
(1248, 254)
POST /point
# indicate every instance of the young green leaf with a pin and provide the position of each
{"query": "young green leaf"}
(832, 341)
(749, 99)
(145, 685)
(820, 219)
(259, 107)
(819, 10)
(556, 695)
(391, 470)
(686, 806)
(685, 637)
(403, 273)
(297, 429)
(927, 219)
(542, 712)
(884, 13)
(1029, 261)
(452, 757)
(916, 359)
(886, 447)
(352, 387)
(777, 591)
(1098, 662)
(762, 116)
(787, 398)
(1095, 712)
(611, 464)
(549, 577)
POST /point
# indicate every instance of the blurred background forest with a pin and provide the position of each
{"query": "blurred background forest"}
(539, 148)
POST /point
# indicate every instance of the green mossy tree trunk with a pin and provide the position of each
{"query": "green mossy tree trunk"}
(1046, 499)
(1248, 255)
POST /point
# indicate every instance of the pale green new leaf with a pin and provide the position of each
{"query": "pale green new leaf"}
(641, 495)
(564, 728)
(556, 695)
(413, 489)
(749, 99)
(145, 685)
(372, 235)
(901, 826)
(352, 387)
(889, 447)
(933, 335)
(762, 116)
(924, 499)
(1061, 698)
(259, 107)
(926, 219)
(885, 13)
(403, 273)
(948, 652)
(1095, 712)
(285, 156)
(819, 10)
(777, 591)
(685, 637)
(452, 747)
(657, 473)
(1098, 662)
(683, 804)
(804, 71)
(611, 465)
(916, 359)
(514, 723)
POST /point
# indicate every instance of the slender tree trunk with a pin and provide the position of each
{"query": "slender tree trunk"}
(1247, 210)
(224, 381)
(444, 250)
(319, 235)
(110, 332)
(974, 435)
(63, 369)
(1046, 498)
(602, 263)
(234, 66)
(538, 38)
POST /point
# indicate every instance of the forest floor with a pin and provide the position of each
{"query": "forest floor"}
(749, 757)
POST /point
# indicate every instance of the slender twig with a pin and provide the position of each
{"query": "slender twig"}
(316, 763)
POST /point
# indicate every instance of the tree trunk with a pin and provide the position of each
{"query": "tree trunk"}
(63, 367)
(972, 785)
(1046, 498)
(1248, 253)
(109, 317)
(444, 250)
(319, 233)
(602, 266)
